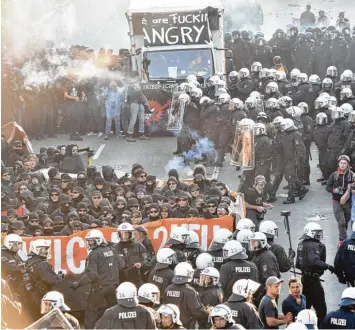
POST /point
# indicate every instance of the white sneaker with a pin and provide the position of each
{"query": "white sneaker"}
(91, 134)
(100, 134)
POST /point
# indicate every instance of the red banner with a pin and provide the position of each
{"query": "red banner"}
(69, 252)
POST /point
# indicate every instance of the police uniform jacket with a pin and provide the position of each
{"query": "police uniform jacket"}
(344, 261)
(120, 317)
(339, 319)
(244, 313)
(267, 265)
(186, 298)
(282, 259)
(162, 278)
(235, 270)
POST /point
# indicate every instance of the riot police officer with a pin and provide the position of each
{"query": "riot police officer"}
(220, 237)
(240, 303)
(203, 261)
(102, 271)
(294, 152)
(344, 317)
(221, 318)
(265, 262)
(344, 261)
(179, 236)
(243, 238)
(193, 248)
(270, 229)
(236, 268)
(182, 294)
(163, 272)
(133, 253)
(43, 278)
(127, 314)
(321, 141)
(311, 257)
(169, 317)
(54, 299)
(149, 296)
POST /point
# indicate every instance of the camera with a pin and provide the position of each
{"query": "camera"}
(286, 213)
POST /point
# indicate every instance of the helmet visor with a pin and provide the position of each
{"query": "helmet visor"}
(352, 118)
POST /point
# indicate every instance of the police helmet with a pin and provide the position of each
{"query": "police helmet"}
(183, 273)
(314, 79)
(308, 318)
(149, 293)
(337, 113)
(287, 124)
(261, 115)
(221, 311)
(184, 98)
(303, 106)
(212, 80)
(348, 108)
(285, 102)
(271, 103)
(332, 100)
(271, 87)
(302, 78)
(220, 237)
(234, 250)
(246, 122)
(347, 297)
(233, 75)
(166, 257)
(256, 67)
(193, 240)
(295, 73)
(296, 326)
(277, 121)
(294, 112)
(244, 288)
(259, 129)
(219, 92)
(205, 100)
(347, 75)
(223, 98)
(11, 240)
(269, 228)
(332, 71)
(256, 95)
(178, 235)
(209, 277)
(243, 236)
(257, 242)
(171, 310)
(327, 83)
(191, 78)
(264, 72)
(196, 93)
(245, 223)
(41, 247)
(322, 118)
(250, 103)
(280, 75)
(346, 93)
(321, 102)
(125, 227)
(126, 295)
(52, 300)
(204, 260)
(236, 104)
(244, 73)
(312, 230)
(271, 73)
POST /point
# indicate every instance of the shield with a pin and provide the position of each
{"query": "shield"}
(175, 113)
(13, 131)
(236, 147)
(55, 319)
(259, 105)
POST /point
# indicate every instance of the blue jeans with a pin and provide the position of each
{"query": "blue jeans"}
(113, 113)
(137, 110)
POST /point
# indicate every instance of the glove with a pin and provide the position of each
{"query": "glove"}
(341, 279)
(291, 253)
(74, 286)
(331, 268)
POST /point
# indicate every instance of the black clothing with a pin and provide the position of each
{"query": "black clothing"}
(285, 263)
(162, 278)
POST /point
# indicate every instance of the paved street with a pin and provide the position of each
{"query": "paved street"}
(156, 155)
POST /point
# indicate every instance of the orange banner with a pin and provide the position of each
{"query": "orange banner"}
(69, 252)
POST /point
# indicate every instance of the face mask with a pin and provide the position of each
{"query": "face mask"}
(65, 209)
(19, 151)
(48, 231)
(81, 181)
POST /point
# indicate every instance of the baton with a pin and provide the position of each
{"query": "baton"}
(296, 273)
(286, 214)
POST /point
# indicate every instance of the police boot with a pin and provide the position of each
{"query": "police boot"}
(303, 193)
(272, 198)
(289, 200)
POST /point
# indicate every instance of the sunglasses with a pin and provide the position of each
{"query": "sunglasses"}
(58, 224)
(105, 224)
(120, 204)
(195, 190)
(81, 211)
(153, 211)
(65, 181)
(135, 206)
(182, 200)
(143, 176)
(34, 220)
(210, 206)
(171, 184)
(221, 188)
(66, 204)
(146, 202)
(76, 192)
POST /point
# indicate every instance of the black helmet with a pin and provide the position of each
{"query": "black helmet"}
(259, 35)
(317, 31)
(293, 31)
(279, 33)
(310, 29)
(309, 36)
(331, 28)
(277, 60)
(245, 34)
(235, 34)
(301, 37)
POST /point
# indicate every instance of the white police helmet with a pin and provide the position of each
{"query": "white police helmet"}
(236, 104)
(149, 293)
(204, 260)
(12, 239)
(347, 297)
(209, 277)
(244, 288)
(220, 237)
(308, 318)
(221, 311)
(178, 235)
(259, 129)
(234, 250)
(245, 223)
(183, 273)
(193, 240)
(52, 300)
(257, 242)
(223, 98)
(165, 258)
(126, 294)
(172, 310)
(312, 230)
(269, 228)
(41, 247)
